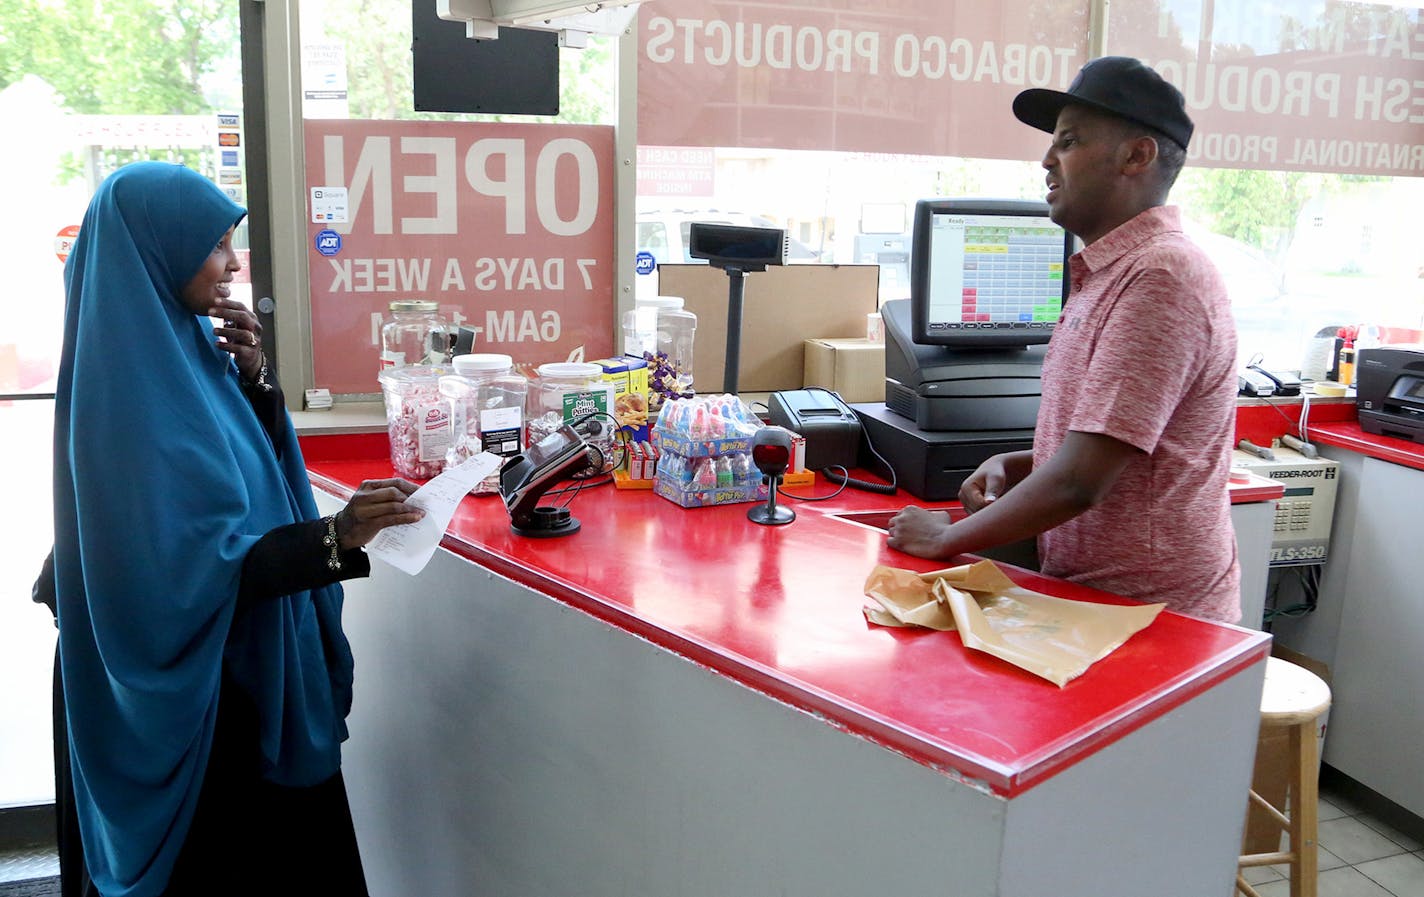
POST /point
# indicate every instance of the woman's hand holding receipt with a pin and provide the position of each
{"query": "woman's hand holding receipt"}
(409, 548)
(376, 505)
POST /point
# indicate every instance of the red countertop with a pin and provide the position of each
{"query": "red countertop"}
(1331, 422)
(778, 609)
(1349, 435)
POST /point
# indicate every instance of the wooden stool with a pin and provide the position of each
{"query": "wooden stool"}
(1293, 698)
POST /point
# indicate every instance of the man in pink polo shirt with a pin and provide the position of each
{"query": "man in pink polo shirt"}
(1126, 485)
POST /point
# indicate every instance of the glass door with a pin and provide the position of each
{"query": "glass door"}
(77, 101)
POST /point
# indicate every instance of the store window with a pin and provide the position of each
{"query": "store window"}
(505, 220)
(830, 122)
(1304, 176)
(1307, 166)
(79, 97)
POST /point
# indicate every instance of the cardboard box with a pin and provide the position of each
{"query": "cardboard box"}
(854, 368)
(781, 305)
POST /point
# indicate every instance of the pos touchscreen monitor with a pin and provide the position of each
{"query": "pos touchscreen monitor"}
(986, 273)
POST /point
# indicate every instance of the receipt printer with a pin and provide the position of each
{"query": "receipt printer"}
(1389, 391)
(831, 428)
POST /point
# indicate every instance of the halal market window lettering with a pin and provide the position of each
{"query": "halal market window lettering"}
(1298, 86)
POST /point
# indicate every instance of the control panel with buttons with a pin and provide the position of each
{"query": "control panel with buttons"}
(1305, 512)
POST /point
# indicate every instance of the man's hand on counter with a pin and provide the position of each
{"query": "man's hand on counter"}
(919, 532)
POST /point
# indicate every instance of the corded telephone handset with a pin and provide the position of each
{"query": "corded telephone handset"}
(833, 433)
(1255, 380)
(1282, 384)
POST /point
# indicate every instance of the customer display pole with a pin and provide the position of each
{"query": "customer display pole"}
(736, 293)
(736, 250)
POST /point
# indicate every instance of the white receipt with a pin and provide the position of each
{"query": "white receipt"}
(409, 547)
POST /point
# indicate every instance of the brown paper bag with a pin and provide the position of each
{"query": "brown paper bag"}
(1054, 638)
(905, 600)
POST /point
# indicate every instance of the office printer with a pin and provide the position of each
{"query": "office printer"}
(1389, 391)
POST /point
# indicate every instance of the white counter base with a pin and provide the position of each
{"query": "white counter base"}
(504, 743)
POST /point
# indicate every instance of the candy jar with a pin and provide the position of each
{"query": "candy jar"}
(415, 334)
(660, 330)
(573, 393)
(487, 399)
(417, 420)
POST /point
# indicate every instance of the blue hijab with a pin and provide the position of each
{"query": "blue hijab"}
(163, 480)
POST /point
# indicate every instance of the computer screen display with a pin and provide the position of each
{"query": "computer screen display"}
(986, 272)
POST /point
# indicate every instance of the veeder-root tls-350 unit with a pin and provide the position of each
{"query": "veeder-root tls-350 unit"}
(1304, 513)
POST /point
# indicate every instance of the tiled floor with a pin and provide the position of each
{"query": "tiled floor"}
(1360, 856)
(24, 862)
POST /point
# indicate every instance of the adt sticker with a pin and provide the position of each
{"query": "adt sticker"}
(645, 263)
(328, 242)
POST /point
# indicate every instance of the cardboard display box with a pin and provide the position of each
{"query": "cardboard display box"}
(781, 307)
(854, 368)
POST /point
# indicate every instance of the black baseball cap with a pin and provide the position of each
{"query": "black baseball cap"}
(1118, 85)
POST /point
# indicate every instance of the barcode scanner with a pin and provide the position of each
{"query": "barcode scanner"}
(771, 453)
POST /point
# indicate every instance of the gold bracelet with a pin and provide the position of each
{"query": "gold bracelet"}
(330, 541)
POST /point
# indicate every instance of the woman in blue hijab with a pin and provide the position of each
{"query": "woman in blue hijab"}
(206, 679)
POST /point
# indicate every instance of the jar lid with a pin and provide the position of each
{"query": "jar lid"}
(414, 305)
(659, 301)
(413, 373)
(587, 370)
(482, 364)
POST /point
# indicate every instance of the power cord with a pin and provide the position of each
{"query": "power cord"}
(1309, 576)
(1303, 444)
(782, 492)
(845, 479)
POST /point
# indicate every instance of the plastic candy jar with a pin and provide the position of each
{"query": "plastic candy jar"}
(568, 393)
(487, 399)
(417, 420)
(660, 330)
(415, 334)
